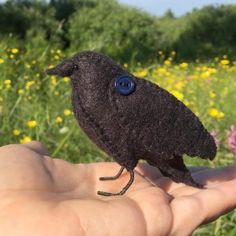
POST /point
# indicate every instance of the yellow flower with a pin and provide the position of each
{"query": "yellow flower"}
(126, 65)
(183, 65)
(7, 82)
(67, 112)
(167, 62)
(205, 75)
(56, 57)
(16, 132)
(161, 71)
(177, 94)
(32, 123)
(213, 112)
(212, 94)
(66, 79)
(14, 50)
(20, 91)
(29, 84)
(25, 139)
(224, 62)
(141, 73)
(50, 66)
(1, 61)
(58, 120)
(53, 80)
(12, 56)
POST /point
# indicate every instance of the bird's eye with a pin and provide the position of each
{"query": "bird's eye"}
(124, 85)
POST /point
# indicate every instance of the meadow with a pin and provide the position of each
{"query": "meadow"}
(34, 106)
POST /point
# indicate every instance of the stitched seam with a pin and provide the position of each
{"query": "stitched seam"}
(101, 132)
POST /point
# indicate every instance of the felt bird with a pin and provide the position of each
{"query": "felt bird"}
(131, 118)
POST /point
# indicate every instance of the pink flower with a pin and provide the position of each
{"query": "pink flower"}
(215, 135)
(231, 139)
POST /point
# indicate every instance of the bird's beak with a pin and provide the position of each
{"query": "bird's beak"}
(65, 68)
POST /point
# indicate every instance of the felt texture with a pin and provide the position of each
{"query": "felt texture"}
(149, 124)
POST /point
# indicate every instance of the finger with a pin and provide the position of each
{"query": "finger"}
(217, 200)
(216, 175)
(196, 169)
(37, 147)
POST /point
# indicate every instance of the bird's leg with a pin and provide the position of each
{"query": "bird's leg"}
(113, 177)
(131, 180)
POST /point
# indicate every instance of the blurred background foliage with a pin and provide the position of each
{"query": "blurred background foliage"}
(125, 33)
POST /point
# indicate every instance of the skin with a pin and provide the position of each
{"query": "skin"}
(44, 196)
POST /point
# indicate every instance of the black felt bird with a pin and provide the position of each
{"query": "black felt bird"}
(131, 118)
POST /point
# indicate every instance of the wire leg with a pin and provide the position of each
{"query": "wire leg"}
(113, 177)
(131, 180)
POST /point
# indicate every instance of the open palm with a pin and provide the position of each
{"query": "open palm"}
(44, 196)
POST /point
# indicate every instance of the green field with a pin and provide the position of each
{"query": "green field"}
(34, 106)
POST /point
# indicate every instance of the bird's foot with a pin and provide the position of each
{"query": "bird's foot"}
(113, 177)
(123, 191)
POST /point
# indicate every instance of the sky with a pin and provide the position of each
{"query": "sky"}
(179, 7)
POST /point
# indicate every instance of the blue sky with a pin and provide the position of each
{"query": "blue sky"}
(179, 7)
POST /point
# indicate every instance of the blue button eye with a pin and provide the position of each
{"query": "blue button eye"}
(124, 85)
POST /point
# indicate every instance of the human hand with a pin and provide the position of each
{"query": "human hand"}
(44, 196)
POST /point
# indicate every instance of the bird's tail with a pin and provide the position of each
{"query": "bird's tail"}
(206, 146)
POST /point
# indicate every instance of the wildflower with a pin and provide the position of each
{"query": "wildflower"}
(14, 50)
(66, 79)
(224, 62)
(56, 57)
(212, 94)
(177, 94)
(161, 71)
(58, 120)
(32, 123)
(141, 73)
(205, 75)
(183, 65)
(231, 139)
(7, 83)
(213, 112)
(167, 62)
(20, 91)
(1, 61)
(67, 112)
(12, 56)
(29, 84)
(50, 66)
(53, 80)
(16, 132)
(25, 139)
(215, 135)
(126, 65)
(64, 130)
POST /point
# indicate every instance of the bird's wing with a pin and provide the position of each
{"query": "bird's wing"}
(160, 123)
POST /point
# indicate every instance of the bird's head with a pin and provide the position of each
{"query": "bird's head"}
(87, 65)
